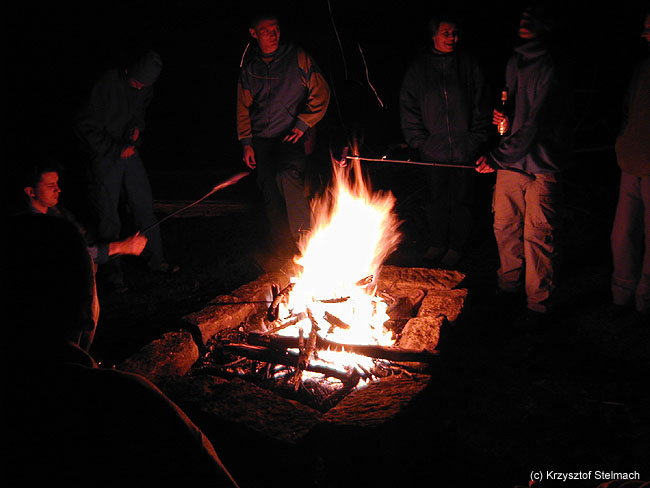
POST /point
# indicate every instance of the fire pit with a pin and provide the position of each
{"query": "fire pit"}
(314, 370)
(334, 336)
(201, 368)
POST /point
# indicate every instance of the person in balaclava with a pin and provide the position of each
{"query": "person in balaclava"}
(110, 126)
(529, 160)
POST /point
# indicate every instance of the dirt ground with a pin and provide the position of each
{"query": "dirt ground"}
(504, 401)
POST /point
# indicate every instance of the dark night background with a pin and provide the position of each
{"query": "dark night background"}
(500, 405)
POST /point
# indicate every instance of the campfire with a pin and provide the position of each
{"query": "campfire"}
(331, 329)
(335, 339)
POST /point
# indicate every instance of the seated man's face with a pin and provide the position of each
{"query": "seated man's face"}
(46, 193)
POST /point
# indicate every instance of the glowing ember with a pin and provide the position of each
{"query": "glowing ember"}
(354, 231)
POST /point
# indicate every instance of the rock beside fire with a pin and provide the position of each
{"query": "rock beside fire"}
(170, 356)
(396, 278)
(377, 402)
(421, 333)
(448, 303)
(239, 402)
(245, 404)
(227, 311)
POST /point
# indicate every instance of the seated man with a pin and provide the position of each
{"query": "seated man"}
(64, 420)
(42, 190)
(41, 186)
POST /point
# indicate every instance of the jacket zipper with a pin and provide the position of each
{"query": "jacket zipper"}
(444, 85)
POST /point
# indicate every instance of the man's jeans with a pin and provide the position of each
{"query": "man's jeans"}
(125, 179)
(280, 177)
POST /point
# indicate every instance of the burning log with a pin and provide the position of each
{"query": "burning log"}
(335, 322)
(374, 351)
(365, 281)
(278, 297)
(293, 320)
(334, 300)
(286, 358)
(306, 351)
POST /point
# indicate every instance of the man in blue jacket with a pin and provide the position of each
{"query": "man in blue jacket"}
(444, 116)
(281, 95)
(528, 161)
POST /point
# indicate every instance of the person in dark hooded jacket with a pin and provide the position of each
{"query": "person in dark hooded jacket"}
(444, 115)
(110, 125)
(529, 159)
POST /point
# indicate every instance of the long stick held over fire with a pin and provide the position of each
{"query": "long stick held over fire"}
(408, 161)
(229, 182)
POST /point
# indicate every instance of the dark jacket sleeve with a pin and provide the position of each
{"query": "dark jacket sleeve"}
(91, 124)
(522, 138)
(413, 129)
(480, 125)
(105, 123)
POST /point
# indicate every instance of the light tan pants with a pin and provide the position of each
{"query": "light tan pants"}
(526, 216)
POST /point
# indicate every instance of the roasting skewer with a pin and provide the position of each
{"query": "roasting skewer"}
(416, 163)
(229, 182)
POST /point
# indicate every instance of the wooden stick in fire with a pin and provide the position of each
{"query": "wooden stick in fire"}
(278, 297)
(306, 352)
(389, 353)
(229, 182)
(272, 356)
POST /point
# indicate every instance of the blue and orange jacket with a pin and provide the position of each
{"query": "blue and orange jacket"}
(273, 98)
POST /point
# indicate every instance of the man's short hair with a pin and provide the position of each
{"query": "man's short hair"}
(437, 19)
(261, 16)
(33, 171)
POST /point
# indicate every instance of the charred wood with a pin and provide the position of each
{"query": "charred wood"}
(307, 351)
(258, 353)
(334, 300)
(374, 351)
(288, 322)
(365, 281)
(278, 297)
(335, 322)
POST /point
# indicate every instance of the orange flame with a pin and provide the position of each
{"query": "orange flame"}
(353, 232)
